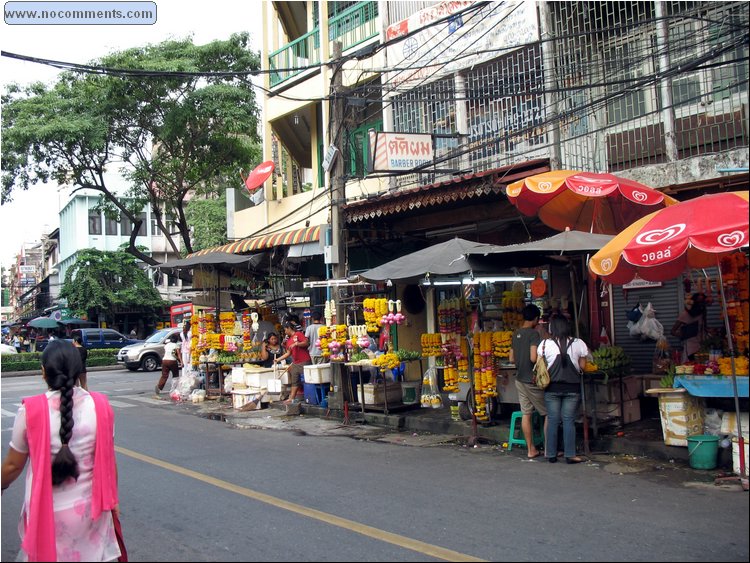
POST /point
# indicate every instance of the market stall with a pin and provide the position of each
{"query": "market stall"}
(711, 230)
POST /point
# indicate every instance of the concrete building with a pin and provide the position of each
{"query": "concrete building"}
(82, 226)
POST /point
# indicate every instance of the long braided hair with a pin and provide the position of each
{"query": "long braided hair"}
(62, 364)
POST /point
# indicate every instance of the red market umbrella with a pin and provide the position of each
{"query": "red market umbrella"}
(585, 201)
(693, 234)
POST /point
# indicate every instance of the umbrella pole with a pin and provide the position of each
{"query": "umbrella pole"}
(740, 439)
(586, 445)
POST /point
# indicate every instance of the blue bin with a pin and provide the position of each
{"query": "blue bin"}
(315, 393)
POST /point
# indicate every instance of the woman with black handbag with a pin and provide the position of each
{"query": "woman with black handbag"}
(566, 358)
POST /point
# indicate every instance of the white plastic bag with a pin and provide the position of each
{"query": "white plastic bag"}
(647, 326)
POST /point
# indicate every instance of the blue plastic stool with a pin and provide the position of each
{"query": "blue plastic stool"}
(537, 425)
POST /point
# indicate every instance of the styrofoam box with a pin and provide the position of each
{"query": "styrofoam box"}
(258, 378)
(238, 375)
(729, 423)
(318, 373)
(242, 397)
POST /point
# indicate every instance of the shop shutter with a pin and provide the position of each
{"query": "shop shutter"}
(668, 301)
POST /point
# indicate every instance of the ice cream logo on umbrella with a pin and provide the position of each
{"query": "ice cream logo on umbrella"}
(606, 264)
(731, 240)
(545, 187)
(657, 236)
(639, 196)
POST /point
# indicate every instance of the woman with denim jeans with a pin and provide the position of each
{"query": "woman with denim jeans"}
(566, 358)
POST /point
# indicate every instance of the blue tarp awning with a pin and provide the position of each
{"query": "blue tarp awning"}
(712, 385)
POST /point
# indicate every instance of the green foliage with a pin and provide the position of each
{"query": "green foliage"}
(209, 220)
(100, 281)
(168, 135)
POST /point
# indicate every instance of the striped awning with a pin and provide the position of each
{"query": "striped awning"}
(261, 242)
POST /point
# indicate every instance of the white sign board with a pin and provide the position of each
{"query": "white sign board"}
(468, 39)
(27, 269)
(399, 151)
(329, 158)
(638, 283)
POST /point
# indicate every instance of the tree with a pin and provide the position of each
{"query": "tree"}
(100, 282)
(172, 129)
(208, 217)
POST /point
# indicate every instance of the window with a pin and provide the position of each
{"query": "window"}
(127, 226)
(359, 157)
(95, 222)
(169, 225)
(110, 225)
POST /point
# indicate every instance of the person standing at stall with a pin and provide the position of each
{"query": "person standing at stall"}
(270, 350)
(313, 336)
(186, 337)
(172, 362)
(296, 346)
(690, 325)
(523, 353)
(566, 358)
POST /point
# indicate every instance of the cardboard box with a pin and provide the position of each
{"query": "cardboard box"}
(610, 393)
(632, 411)
(377, 394)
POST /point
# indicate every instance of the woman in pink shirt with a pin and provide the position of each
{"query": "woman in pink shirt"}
(71, 484)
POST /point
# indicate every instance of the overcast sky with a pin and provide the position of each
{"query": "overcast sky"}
(35, 212)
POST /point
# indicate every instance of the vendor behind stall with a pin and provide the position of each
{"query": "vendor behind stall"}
(690, 326)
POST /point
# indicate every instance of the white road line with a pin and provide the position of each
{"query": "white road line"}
(120, 404)
(7, 413)
(143, 399)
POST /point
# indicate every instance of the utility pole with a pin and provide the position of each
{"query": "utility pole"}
(338, 232)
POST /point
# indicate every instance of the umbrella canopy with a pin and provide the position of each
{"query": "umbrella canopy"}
(219, 259)
(585, 201)
(663, 244)
(692, 234)
(43, 322)
(445, 258)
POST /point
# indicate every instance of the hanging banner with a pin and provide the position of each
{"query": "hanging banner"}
(470, 38)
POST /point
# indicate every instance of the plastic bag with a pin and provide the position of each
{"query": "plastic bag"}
(647, 326)
(712, 422)
(662, 360)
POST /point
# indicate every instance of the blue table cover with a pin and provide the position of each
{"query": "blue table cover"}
(712, 385)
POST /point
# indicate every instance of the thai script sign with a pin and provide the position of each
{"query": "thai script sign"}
(467, 39)
(399, 151)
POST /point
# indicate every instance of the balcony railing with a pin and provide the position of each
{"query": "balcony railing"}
(293, 58)
(353, 26)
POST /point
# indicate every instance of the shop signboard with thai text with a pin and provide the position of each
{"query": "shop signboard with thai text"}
(467, 38)
(391, 152)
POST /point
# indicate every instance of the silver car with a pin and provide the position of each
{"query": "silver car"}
(148, 354)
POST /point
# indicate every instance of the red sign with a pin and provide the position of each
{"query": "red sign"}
(259, 175)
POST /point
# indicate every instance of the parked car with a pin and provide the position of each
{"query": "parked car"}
(102, 338)
(146, 355)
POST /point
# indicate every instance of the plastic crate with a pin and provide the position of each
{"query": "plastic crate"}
(315, 393)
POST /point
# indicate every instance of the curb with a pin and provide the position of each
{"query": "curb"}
(32, 373)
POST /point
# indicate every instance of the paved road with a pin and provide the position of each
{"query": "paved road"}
(196, 489)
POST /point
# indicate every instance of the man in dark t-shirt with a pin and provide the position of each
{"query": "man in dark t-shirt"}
(524, 353)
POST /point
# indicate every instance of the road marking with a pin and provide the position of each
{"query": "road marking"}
(369, 531)
(143, 399)
(120, 404)
(7, 413)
